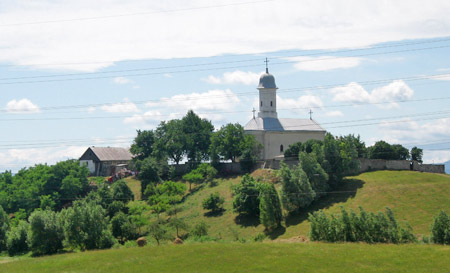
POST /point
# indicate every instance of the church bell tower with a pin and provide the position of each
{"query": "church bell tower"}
(267, 95)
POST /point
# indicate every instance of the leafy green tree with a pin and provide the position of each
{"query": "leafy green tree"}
(122, 228)
(178, 224)
(250, 153)
(357, 143)
(121, 191)
(142, 146)
(164, 195)
(195, 177)
(269, 206)
(158, 231)
(416, 154)
(200, 229)
(228, 142)
(71, 187)
(207, 171)
(401, 153)
(293, 150)
(170, 140)
(246, 196)
(115, 207)
(17, 239)
(213, 202)
(137, 211)
(86, 226)
(440, 229)
(4, 227)
(45, 234)
(317, 176)
(148, 173)
(307, 147)
(198, 136)
(48, 201)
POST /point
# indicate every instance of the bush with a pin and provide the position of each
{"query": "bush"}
(214, 202)
(122, 228)
(259, 237)
(199, 230)
(246, 196)
(17, 239)
(121, 191)
(365, 227)
(46, 234)
(269, 207)
(440, 229)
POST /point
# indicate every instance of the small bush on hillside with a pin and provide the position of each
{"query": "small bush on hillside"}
(441, 229)
(199, 230)
(365, 227)
(214, 202)
(17, 239)
(259, 237)
(121, 191)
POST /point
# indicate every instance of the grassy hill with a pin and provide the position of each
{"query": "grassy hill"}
(249, 257)
(413, 196)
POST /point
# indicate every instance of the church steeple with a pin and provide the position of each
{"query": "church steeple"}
(267, 95)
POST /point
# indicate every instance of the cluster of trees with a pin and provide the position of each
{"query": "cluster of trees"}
(322, 166)
(43, 186)
(380, 150)
(365, 227)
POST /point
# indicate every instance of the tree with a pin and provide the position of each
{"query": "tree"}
(251, 151)
(296, 190)
(293, 150)
(416, 154)
(269, 207)
(401, 153)
(207, 171)
(228, 142)
(86, 226)
(121, 191)
(440, 230)
(213, 202)
(148, 173)
(170, 140)
(45, 234)
(178, 224)
(193, 176)
(357, 143)
(122, 228)
(158, 231)
(142, 146)
(164, 195)
(246, 196)
(317, 176)
(200, 229)
(198, 136)
(137, 210)
(17, 238)
(4, 227)
(71, 187)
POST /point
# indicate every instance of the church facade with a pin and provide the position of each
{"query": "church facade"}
(276, 134)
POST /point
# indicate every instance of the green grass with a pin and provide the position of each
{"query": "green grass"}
(135, 186)
(413, 196)
(249, 257)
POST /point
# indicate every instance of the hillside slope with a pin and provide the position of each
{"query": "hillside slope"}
(413, 196)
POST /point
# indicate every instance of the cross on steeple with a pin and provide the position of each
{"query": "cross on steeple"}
(267, 65)
(254, 112)
(310, 114)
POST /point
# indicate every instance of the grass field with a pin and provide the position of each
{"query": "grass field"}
(135, 186)
(413, 196)
(248, 257)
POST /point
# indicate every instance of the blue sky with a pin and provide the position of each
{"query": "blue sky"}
(75, 75)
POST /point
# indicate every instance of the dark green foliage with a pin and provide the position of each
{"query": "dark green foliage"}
(122, 228)
(17, 239)
(440, 230)
(121, 191)
(46, 234)
(207, 171)
(269, 206)
(142, 146)
(365, 227)
(416, 154)
(170, 140)
(198, 136)
(246, 196)
(149, 172)
(213, 202)
(158, 231)
(228, 143)
(199, 230)
(384, 150)
(195, 177)
(293, 150)
(308, 146)
(357, 143)
(317, 176)
(86, 226)
(296, 190)
(4, 227)
(401, 153)
(252, 150)
(116, 207)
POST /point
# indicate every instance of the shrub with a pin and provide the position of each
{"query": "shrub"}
(259, 237)
(122, 228)
(214, 202)
(17, 239)
(441, 229)
(121, 191)
(269, 207)
(199, 230)
(46, 234)
(246, 196)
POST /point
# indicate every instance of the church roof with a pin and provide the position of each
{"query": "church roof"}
(267, 80)
(282, 124)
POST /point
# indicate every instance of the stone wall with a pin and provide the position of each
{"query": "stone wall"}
(382, 164)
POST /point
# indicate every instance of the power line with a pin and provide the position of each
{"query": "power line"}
(132, 14)
(176, 71)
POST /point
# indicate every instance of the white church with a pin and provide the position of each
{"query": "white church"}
(276, 134)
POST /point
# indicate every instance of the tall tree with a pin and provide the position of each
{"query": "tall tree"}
(170, 140)
(269, 206)
(296, 189)
(246, 196)
(198, 136)
(416, 154)
(228, 143)
(142, 146)
(317, 176)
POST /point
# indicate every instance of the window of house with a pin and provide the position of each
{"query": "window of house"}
(271, 104)
(281, 148)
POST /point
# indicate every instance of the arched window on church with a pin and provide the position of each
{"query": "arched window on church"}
(271, 104)
(261, 103)
(281, 148)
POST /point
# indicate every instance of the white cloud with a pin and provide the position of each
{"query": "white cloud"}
(355, 93)
(184, 34)
(235, 77)
(300, 105)
(438, 156)
(324, 63)
(334, 114)
(121, 107)
(23, 106)
(122, 80)
(149, 116)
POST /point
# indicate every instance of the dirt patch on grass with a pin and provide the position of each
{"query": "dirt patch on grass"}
(267, 175)
(296, 239)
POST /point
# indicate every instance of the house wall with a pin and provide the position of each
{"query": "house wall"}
(89, 164)
(273, 140)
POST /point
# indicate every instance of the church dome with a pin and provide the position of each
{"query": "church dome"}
(267, 80)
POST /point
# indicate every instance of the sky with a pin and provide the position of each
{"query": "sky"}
(74, 74)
